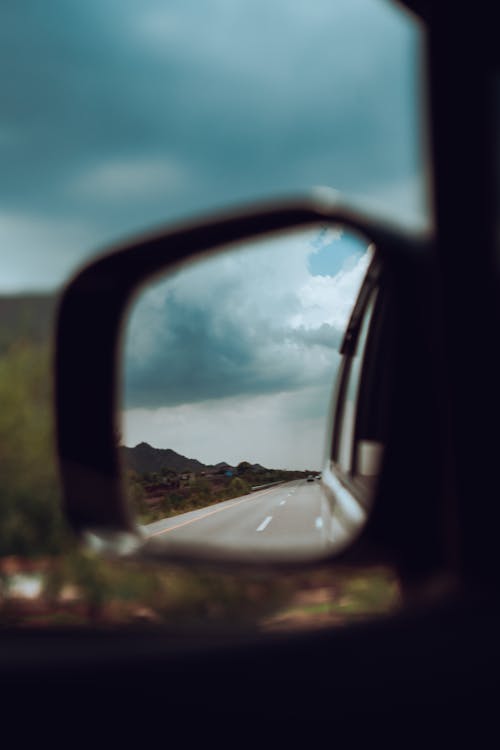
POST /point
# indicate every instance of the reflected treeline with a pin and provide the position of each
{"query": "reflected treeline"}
(156, 495)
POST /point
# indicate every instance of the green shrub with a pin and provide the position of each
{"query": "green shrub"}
(238, 487)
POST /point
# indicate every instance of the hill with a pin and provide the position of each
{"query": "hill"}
(144, 458)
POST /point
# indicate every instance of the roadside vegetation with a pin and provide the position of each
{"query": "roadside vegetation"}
(168, 493)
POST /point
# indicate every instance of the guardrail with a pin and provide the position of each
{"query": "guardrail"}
(269, 484)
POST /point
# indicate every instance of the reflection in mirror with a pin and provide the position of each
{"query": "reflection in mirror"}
(229, 367)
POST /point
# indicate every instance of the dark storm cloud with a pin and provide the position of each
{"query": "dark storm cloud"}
(199, 356)
(195, 360)
(119, 115)
(241, 324)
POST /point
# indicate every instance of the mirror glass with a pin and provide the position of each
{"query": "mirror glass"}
(230, 363)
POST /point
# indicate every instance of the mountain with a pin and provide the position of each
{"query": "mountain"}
(145, 458)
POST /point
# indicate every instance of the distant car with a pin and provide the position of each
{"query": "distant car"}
(310, 478)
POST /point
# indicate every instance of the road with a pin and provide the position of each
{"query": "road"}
(290, 520)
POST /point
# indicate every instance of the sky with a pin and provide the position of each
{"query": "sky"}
(233, 358)
(119, 116)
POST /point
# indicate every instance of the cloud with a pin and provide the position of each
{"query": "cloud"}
(279, 430)
(35, 246)
(235, 358)
(204, 104)
(254, 321)
(120, 179)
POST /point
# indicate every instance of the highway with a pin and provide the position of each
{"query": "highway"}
(291, 519)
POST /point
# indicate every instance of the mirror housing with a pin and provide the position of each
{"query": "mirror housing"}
(89, 325)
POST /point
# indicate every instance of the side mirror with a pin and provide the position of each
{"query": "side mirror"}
(164, 348)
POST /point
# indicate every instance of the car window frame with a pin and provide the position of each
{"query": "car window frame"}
(366, 303)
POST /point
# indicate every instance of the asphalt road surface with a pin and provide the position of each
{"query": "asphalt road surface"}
(291, 518)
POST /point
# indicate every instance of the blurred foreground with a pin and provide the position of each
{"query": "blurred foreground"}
(78, 590)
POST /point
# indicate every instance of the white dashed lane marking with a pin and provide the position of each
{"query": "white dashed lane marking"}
(265, 523)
